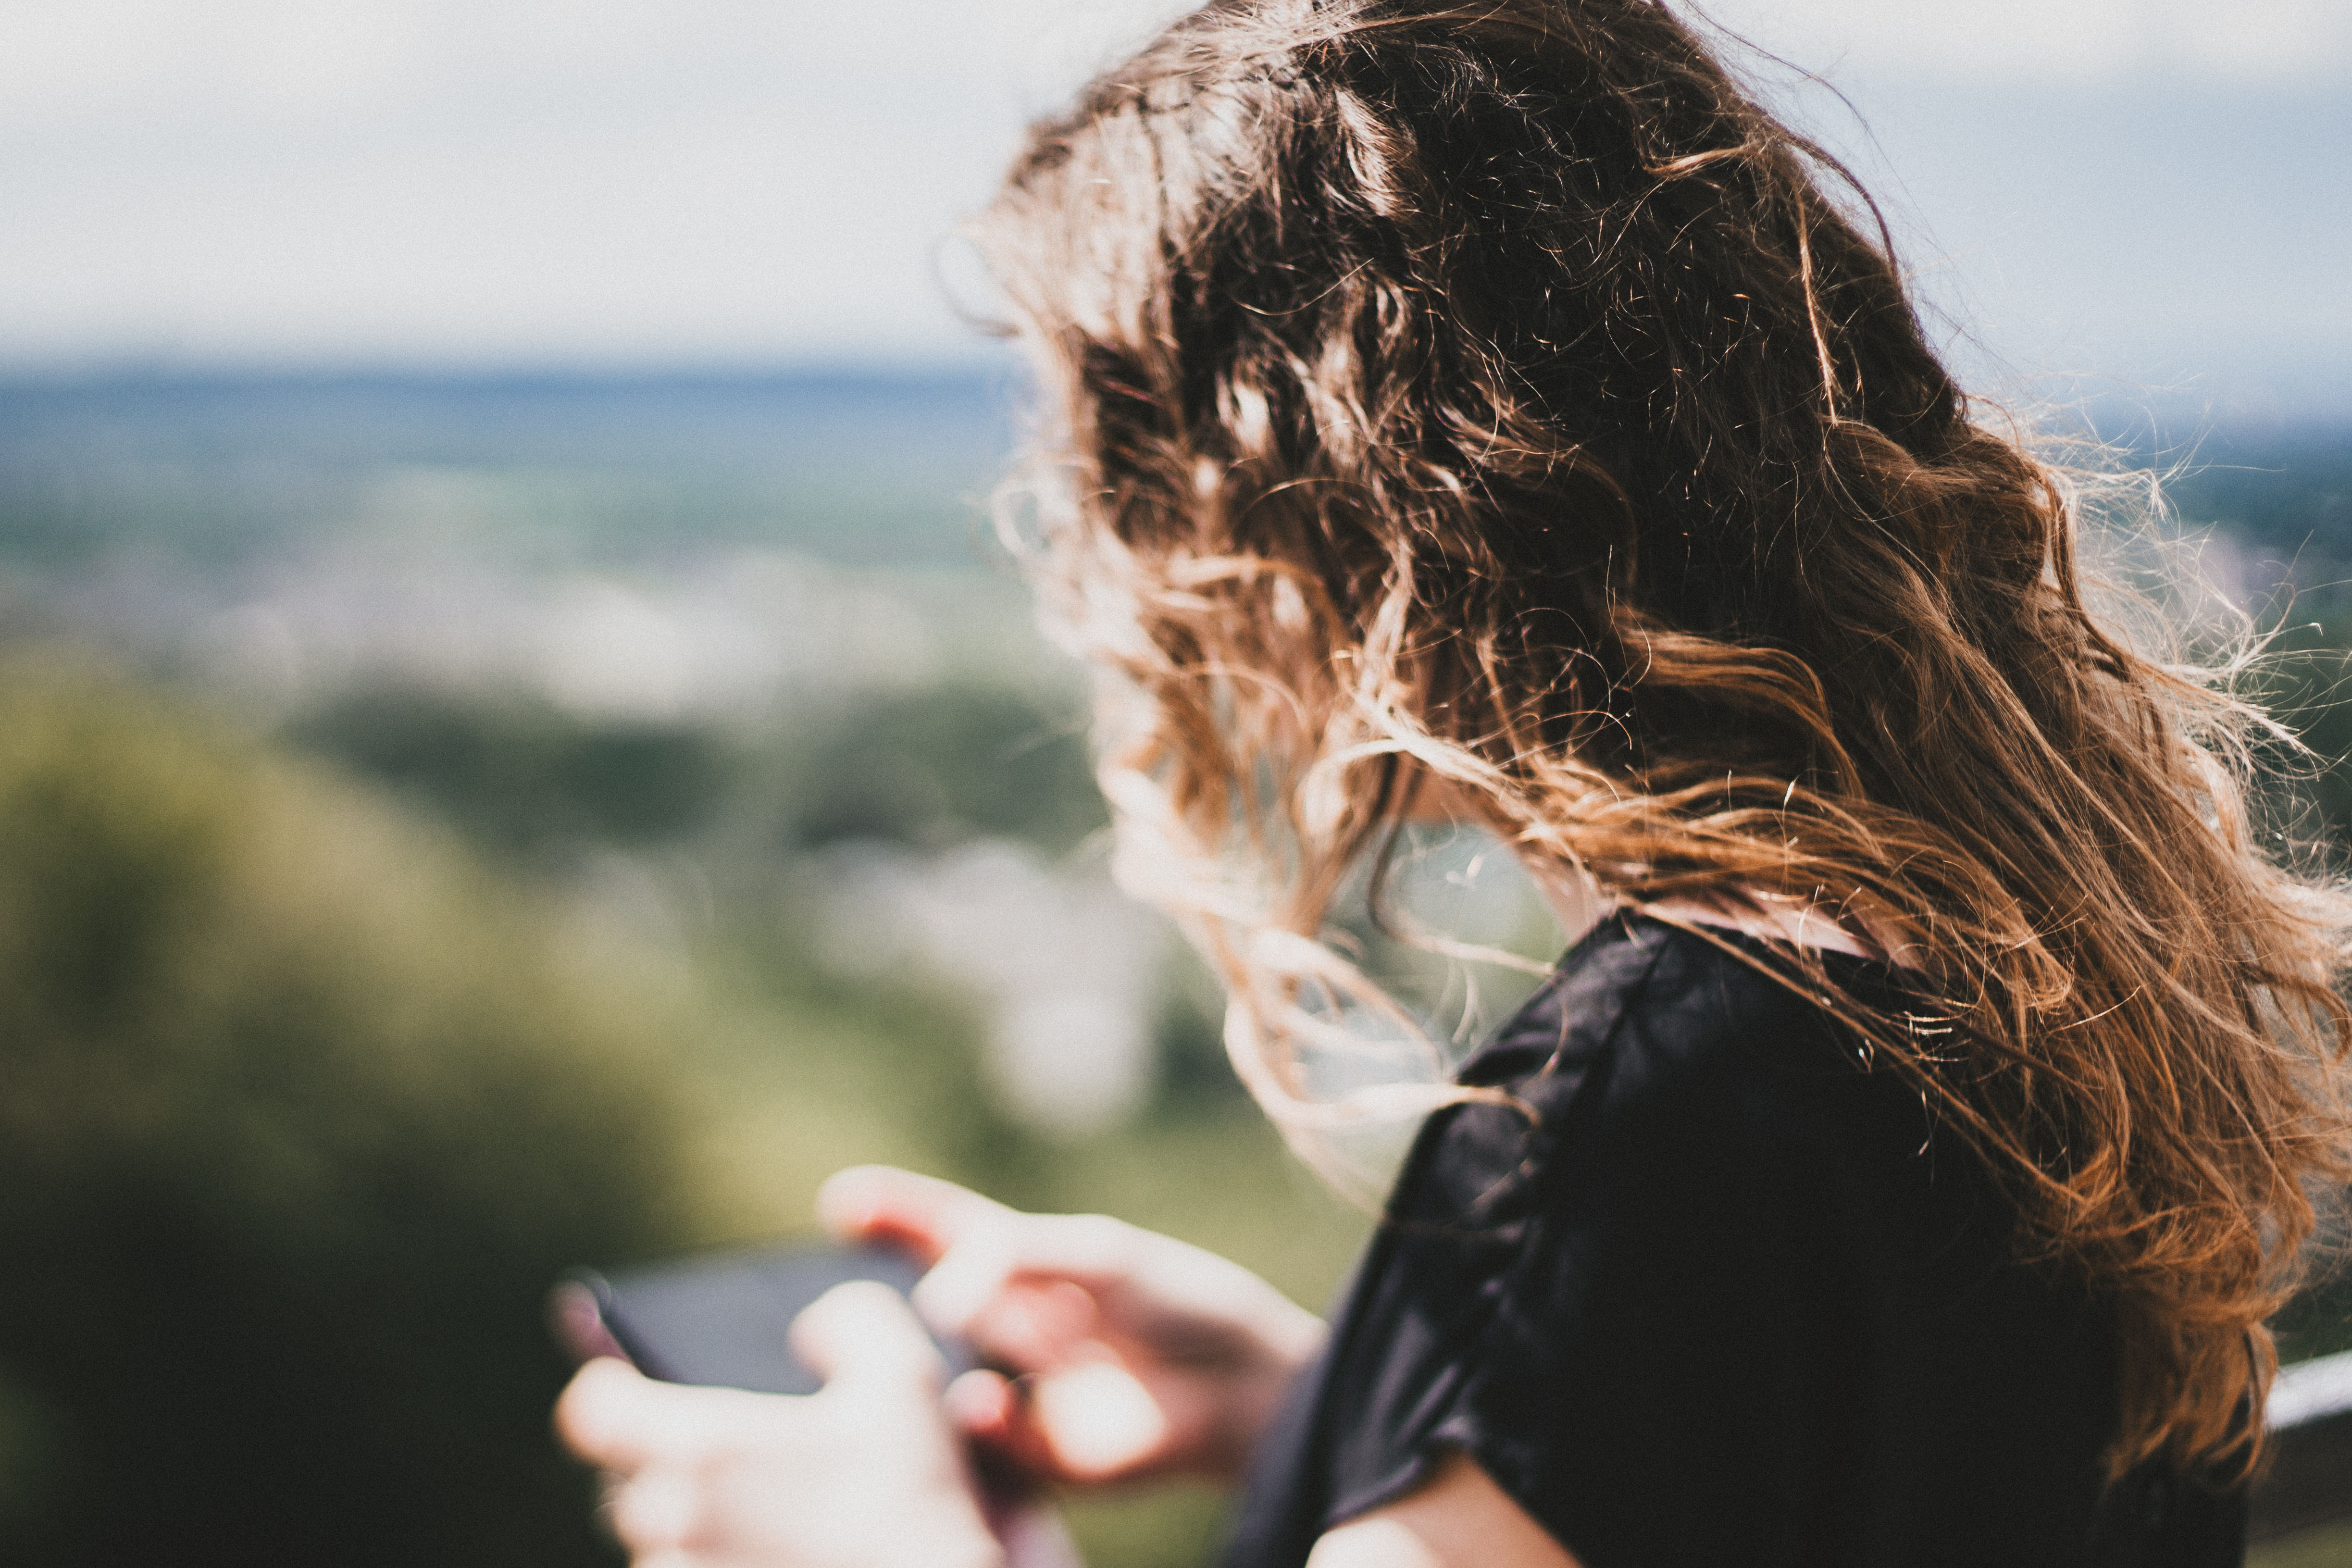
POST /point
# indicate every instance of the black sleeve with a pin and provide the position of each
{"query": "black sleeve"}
(1709, 1294)
(1620, 1311)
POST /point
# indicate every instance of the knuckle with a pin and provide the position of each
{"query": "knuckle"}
(865, 1297)
(1101, 1236)
(915, 1365)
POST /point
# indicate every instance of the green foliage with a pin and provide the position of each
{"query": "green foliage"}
(298, 1120)
(2308, 688)
(1189, 1035)
(946, 763)
(527, 781)
(2328, 1548)
(524, 777)
(301, 1110)
(819, 1074)
(2287, 493)
(1172, 1527)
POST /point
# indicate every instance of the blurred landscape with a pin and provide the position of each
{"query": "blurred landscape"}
(456, 828)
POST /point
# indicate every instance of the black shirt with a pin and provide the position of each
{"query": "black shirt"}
(1729, 1297)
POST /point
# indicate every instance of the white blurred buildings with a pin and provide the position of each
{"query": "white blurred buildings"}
(1068, 968)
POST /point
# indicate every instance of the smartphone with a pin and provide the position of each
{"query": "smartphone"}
(721, 1320)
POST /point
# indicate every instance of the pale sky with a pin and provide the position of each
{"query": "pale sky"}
(2145, 188)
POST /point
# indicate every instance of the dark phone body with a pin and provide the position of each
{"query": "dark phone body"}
(721, 1321)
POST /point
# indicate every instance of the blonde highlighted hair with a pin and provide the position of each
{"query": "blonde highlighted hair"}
(1490, 397)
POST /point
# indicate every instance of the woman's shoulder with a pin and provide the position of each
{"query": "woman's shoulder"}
(1698, 1233)
(1654, 1047)
(1689, 1001)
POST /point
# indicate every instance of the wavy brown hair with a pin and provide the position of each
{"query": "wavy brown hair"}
(1495, 394)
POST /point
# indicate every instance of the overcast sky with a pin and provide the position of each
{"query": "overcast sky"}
(2147, 189)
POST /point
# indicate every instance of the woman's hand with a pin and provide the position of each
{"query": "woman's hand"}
(867, 1473)
(1134, 1355)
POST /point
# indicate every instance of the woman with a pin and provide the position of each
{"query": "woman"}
(1483, 410)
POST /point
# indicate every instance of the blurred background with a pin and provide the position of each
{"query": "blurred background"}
(516, 751)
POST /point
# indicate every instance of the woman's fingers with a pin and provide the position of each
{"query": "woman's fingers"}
(978, 1241)
(992, 1410)
(861, 1334)
(864, 1336)
(865, 1471)
(981, 1403)
(1090, 1251)
(922, 1213)
(1089, 1423)
(1098, 1421)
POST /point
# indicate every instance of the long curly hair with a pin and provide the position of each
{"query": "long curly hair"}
(1493, 398)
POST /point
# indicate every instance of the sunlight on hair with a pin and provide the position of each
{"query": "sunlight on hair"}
(1496, 404)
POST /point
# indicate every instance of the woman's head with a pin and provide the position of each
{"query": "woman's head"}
(1491, 395)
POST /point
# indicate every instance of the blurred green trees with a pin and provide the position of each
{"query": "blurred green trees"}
(300, 1113)
(526, 779)
(302, 1108)
(298, 1118)
(523, 776)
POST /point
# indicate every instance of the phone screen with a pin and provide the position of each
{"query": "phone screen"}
(721, 1321)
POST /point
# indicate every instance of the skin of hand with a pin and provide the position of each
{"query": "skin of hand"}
(1164, 1367)
(1133, 1355)
(1458, 1518)
(867, 1473)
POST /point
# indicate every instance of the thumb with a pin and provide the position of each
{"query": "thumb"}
(864, 1335)
(618, 1419)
